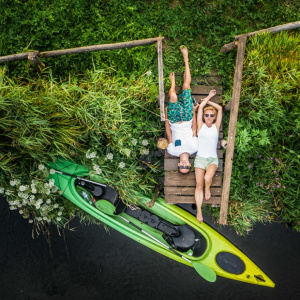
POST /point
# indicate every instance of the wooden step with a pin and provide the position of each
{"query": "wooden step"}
(188, 180)
(198, 97)
(173, 199)
(189, 191)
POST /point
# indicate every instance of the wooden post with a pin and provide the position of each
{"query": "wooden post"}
(233, 45)
(161, 95)
(232, 128)
(33, 58)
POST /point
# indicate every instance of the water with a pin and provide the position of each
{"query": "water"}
(112, 266)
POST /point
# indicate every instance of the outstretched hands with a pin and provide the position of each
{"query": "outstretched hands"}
(212, 93)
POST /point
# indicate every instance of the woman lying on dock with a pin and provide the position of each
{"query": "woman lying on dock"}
(180, 121)
(206, 162)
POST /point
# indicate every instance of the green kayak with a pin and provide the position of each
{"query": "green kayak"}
(165, 228)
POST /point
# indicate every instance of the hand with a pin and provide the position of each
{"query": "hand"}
(212, 93)
(195, 107)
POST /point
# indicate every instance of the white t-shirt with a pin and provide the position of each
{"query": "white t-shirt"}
(182, 139)
(207, 141)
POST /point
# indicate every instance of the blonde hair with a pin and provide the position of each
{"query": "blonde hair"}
(210, 108)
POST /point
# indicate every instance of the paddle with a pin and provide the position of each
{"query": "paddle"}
(206, 272)
(60, 172)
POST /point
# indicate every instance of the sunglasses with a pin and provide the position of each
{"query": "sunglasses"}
(183, 167)
(211, 115)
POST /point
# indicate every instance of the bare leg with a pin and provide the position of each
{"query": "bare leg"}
(187, 74)
(210, 172)
(199, 173)
(172, 94)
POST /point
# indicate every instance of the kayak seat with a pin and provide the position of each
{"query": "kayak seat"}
(184, 241)
(181, 238)
(103, 193)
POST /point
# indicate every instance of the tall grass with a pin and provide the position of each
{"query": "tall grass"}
(106, 122)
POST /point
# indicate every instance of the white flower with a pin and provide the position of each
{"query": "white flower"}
(134, 141)
(33, 191)
(90, 155)
(127, 152)
(30, 221)
(41, 167)
(52, 171)
(12, 208)
(59, 213)
(48, 192)
(54, 189)
(39, 201)
(61, 192)
(45, 218)
(17, 181)
(51, 182)
(55, 205)
(21, 212)
(48, 201)
(20, 205)
(13, 182)
(25, 202)
(97, 169)
(121, 165)
(58, 218)
(37, 206)
(39, 218)
(46, 185)
(145, 143)
(148, 73)
(8, 193)
(145, 151)
(1, 190)
(23, 188)
(110, 156)
(32, 197)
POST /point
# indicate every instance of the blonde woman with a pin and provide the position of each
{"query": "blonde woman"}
(206, 162)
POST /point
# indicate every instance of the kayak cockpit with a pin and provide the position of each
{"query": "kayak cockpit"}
(181, 237)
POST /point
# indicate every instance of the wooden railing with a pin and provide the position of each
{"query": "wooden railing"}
(34, 58)
(233, 105)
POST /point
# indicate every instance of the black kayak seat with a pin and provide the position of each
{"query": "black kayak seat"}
(103, 193)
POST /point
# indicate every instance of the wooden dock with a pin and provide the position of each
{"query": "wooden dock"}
(180, 188)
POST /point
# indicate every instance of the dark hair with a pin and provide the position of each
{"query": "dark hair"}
(186, 172)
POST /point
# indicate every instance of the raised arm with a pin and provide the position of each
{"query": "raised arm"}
(168, 128)
(200, 110)
(219, 116)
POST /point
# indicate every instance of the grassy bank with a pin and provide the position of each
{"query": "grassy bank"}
(101, 108)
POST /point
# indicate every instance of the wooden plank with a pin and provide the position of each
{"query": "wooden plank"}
(173, 199)
(171, 164)
(232, 128)
(204, 89)
(216, 99)
(178, 179)
(215, 191)
(208, 80)
(167, 155)
(161, 94)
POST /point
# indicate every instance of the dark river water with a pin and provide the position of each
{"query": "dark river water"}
(100, 265)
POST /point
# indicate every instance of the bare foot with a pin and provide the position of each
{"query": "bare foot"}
(207, 194)
(184, 51)
(172, 76)
(199, 216)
